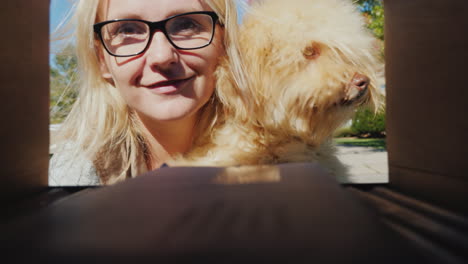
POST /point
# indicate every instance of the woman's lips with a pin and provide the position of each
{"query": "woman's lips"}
(168, 87)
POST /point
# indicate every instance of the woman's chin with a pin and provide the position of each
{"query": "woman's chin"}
(164, 116)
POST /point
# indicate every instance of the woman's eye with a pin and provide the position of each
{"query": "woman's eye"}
(130, 29)
(185, 25)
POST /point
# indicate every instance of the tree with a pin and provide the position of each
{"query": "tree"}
(367, 123)
(373, 11)
(63, 84)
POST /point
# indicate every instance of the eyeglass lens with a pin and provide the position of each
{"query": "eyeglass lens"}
(131, 37)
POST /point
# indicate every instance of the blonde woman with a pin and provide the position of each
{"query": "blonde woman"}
(147, 87)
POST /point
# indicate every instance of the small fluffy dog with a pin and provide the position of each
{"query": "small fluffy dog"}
(308, 65)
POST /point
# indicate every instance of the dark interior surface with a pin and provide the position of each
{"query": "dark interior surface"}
(288, 215)
(426, 64)
(291, 212)
(24, 75)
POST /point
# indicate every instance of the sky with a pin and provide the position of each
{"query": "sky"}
(58, 11)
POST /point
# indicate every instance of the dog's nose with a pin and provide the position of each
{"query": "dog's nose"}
(360, 81)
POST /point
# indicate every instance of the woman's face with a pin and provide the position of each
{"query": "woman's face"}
(163, 83)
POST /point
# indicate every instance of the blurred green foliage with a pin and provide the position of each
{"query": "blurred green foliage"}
(63, 84)
(373, 10)
(367, 123)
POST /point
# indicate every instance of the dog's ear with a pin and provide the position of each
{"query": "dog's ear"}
(312, 51)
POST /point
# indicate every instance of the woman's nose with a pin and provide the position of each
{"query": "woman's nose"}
(161, 53)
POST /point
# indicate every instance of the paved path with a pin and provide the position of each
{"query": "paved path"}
(365, 164)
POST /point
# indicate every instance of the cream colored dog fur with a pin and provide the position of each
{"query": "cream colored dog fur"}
(308, 64)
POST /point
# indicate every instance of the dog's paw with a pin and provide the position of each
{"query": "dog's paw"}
(356, 89)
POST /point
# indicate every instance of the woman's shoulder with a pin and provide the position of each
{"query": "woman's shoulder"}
(69, 167)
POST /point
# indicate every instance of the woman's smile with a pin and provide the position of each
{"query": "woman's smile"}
(172, 86)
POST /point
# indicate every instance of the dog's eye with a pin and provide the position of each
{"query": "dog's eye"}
(311, 52)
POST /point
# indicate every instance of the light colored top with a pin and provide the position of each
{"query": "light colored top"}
(67, 169)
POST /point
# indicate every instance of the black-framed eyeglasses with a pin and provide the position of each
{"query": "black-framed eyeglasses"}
(131, 37)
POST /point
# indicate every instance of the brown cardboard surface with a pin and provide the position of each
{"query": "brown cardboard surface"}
(426, 68)
(24, 89)
(446, 192)
(290, 213)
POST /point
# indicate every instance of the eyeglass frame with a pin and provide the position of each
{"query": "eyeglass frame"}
(153, 26)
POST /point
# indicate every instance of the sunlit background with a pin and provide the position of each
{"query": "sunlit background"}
(361, 141)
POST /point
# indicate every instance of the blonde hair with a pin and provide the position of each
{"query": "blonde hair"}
(101, 125)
